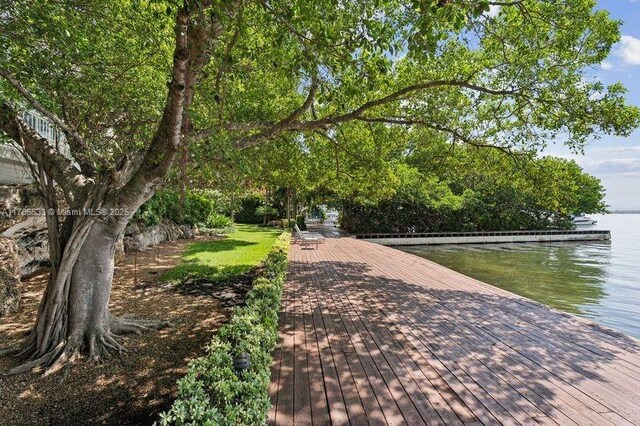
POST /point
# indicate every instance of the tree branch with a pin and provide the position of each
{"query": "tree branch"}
(192, 52)
(265, 126)
(323, 123)
(453, 132)
(166, 140)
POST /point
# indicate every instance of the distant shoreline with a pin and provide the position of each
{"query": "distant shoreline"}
(624, 212)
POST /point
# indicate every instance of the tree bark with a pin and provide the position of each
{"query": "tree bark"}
(74, 317)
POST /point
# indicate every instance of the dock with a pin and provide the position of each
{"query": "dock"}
(435, 238)
(373, 335)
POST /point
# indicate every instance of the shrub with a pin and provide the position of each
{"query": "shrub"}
(212, 392)
(199, 209)
(218, 221)
(157, 208)
(287, 224)
(265, 211)
(247, 212)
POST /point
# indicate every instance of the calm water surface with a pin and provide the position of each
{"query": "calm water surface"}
(600, 281)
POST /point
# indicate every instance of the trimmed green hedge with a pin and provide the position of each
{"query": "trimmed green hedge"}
(212, 393)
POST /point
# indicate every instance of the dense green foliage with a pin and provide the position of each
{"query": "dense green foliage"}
(200, 208)
(212, 392)
(335, 91)
(236, 253)
(267, 211)
(471, 190)
(248, 210)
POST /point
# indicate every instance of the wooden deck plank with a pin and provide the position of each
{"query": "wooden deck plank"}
(592, 418)
(336, 403)
(474, 386)
(525, 332)
(389, 369)
(602, 421)
(301, 393)
(372, 335)
(319, 406)
(576, 331)
(619, 396)
(362, 368)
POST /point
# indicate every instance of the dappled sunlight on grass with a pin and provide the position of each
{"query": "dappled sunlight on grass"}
(223, 259)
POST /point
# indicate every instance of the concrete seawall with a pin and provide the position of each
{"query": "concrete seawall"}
(484, 237)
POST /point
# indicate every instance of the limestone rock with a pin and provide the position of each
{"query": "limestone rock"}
(10, 287)
(31, 238)
(33, 246)
(140, 239)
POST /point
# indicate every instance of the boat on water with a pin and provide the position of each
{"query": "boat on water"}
(584, 221)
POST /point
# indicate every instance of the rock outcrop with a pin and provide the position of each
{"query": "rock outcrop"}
(31, 237)
(140, 239)
(10, 287)
(13, 199)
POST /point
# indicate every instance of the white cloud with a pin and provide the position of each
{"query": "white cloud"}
(614, 166)
(618, 149)
(606, 65)
(629, 50)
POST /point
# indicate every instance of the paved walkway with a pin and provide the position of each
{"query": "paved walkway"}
(372, 335)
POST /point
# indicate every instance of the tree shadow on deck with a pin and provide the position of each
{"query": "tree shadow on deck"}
(482, 351)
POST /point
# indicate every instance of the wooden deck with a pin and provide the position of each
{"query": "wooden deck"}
(372, 335)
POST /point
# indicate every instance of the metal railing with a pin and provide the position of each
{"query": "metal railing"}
(14, 166)
(47, 130)
(480, 234)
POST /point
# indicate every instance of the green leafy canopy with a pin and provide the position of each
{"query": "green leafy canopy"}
(337, 85)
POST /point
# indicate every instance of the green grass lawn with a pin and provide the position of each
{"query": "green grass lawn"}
(239, 252)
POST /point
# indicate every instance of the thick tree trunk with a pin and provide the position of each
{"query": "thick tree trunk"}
(73, 316)
(90, 287)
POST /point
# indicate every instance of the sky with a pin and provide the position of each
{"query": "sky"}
(616, 160)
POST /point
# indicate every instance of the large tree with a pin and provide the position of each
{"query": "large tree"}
(133, 83)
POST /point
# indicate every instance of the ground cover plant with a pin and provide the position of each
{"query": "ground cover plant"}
(214, 392)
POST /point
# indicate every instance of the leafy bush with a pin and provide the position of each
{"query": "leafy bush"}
(158, 208)
(212, 392)
(266, 211)
(247, 212)
(199, 209)
(218, 221)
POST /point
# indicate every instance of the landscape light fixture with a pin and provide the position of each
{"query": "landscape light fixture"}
(241, 362)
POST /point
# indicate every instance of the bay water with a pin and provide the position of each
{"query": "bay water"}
(595, 280)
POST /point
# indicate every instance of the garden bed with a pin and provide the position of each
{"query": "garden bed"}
(143, 384)
(218, 389)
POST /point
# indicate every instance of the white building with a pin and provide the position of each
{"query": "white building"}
(13, 166)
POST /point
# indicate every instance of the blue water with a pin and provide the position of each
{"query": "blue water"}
(599, 280)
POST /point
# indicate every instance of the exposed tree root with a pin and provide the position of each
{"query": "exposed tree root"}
(98, 344)
(12, 350)
(44, 360)
(122, 326)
